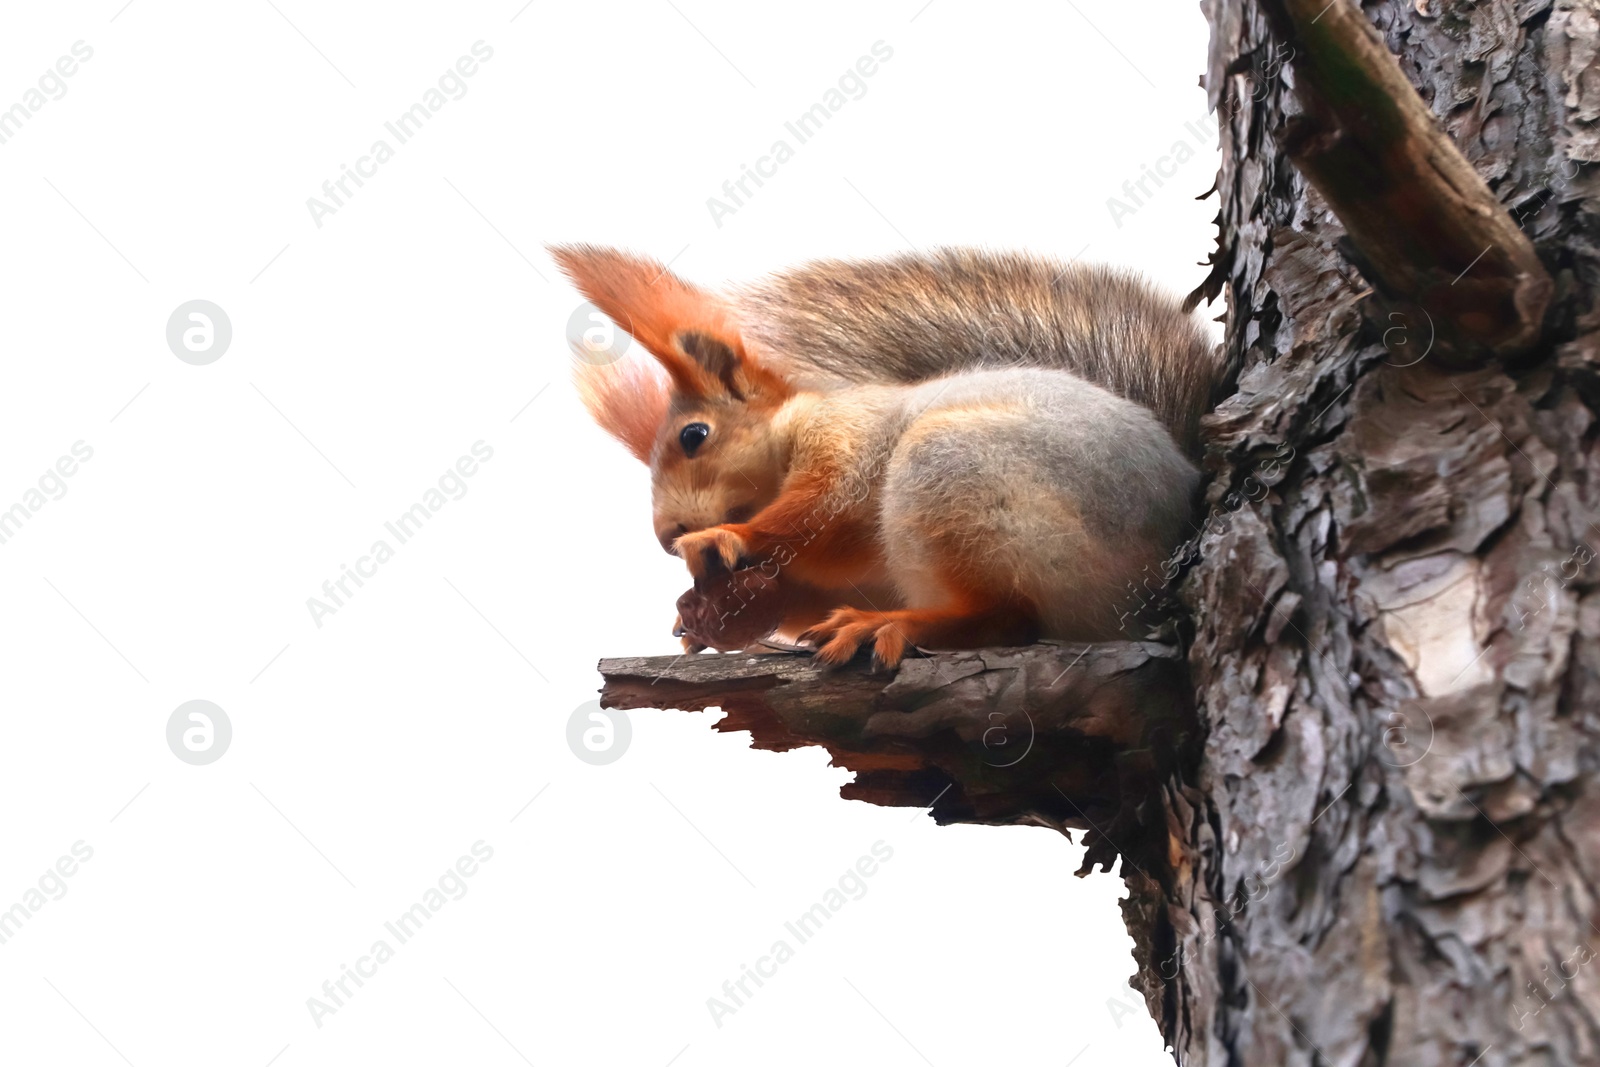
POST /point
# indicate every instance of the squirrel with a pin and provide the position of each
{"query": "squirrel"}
(946, 450)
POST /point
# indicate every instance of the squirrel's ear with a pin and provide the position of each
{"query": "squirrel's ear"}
(691, 332)
(628, 398)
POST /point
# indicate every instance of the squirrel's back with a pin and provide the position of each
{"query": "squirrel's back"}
(917, 316)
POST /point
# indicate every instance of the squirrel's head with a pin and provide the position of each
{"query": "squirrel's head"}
(701, 413)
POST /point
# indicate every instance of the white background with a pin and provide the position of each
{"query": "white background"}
(367, 355)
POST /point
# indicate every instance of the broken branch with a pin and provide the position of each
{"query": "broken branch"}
(1067, 736)
(1427, 231)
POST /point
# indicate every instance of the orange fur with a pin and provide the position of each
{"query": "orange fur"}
(627, 398)
(639, 295)
(705, 550)
(892, 633)
(833, 552)
(659, 310)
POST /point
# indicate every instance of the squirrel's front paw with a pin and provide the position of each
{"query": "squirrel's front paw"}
(712, 550)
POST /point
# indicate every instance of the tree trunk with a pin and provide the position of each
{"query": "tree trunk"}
(1366, 829)
(1392, 847)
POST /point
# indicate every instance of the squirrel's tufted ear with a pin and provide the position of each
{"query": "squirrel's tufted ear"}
(693, 333)
(628, 398)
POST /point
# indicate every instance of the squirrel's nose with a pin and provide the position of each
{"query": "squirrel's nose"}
(669, 535)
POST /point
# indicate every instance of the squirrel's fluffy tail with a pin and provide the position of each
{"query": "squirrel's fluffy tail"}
(921, 316)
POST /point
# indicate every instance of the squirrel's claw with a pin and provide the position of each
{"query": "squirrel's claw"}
(840, 636)
(690, 645)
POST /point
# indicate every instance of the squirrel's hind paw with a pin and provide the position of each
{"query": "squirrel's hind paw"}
(894, 633)
(840, 636)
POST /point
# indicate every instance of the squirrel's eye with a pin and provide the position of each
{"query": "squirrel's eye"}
(693, 436)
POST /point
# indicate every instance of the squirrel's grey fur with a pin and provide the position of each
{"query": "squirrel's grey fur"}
(916, 317)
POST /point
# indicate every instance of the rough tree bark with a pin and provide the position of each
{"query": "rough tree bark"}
(1365, 829)
(1052, 734)
(1394, 649)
